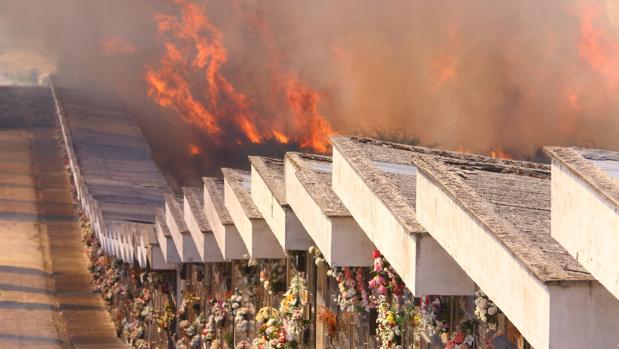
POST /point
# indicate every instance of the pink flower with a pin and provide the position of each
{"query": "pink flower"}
(382, 290)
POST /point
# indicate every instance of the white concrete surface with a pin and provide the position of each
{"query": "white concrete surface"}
(157, 259)
(205, 242)
(422, 264)
(186, 247)
(548, 315)
(340, 239)
(227, 236)
(587, 225)
(280, 218)
(256, 234)
(166, 244)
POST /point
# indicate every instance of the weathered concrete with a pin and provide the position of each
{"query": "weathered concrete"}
(46, 296)
(166, 243)
(268, 192)
(227, 236)
(201, 232)
(333, 229)
(549, 314)
(585, 218)
(255, 232)
(383, 204)
(174, 218)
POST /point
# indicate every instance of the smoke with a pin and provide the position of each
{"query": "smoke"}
(471, 75)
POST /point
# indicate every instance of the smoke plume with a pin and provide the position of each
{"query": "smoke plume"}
(211, 81)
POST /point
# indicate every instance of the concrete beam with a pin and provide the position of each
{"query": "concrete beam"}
(226, 235)
(280, 218)
(256, 234)
(424, 266)
(203, 237)
(586, 224)
(186, 247)
(549, 315)
(340, 239)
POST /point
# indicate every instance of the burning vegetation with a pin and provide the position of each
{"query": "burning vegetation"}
(189, 80)
(248, 76)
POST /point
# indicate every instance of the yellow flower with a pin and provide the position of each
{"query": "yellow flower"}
(391, 319)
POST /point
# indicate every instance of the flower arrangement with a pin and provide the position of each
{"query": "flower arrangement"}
(393, 302)
(328, 318)
(248, 272)
(460, 340)
(270, 330)
(243, 345)
(235, 302)
(389, 322)
(273, 276)
(353, 295)
(485, 310)
(292, 308)
(190, 300)
(463, 337)
(219, 344)
(434, 314)
(219, 312)
(164, 319)
(243, 314)
(385, 280)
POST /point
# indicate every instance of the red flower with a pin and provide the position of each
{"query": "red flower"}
(376, 254)
(459, 338)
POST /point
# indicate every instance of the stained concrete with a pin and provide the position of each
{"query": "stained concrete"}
(46, 295)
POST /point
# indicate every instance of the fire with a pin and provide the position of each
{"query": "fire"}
(188, 79)
(194, 47)
(596, 46)
(194, 149)
(314, 128)
(444, 68)
(115, 45)
(498, 153)
(280, 137)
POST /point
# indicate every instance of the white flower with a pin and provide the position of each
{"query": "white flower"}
(492, 310)
(483, 303)
(469, 340)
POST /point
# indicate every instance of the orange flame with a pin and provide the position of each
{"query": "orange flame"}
(194, 149)
(115, 45)
(303, 102)
(311, 129)
(444, 68)
(195, 48)
(280, 137)
(499, 153)
(596, 46)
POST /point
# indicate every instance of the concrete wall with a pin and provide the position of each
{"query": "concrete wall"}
(157, 260)
(583, 316)
(205, 242)
(256, 234)
(423, 265)
(182, 240)
(520, 295)
(340, 239)
(168, 249)
(282, 220)
(586, 225)
(227, 237)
